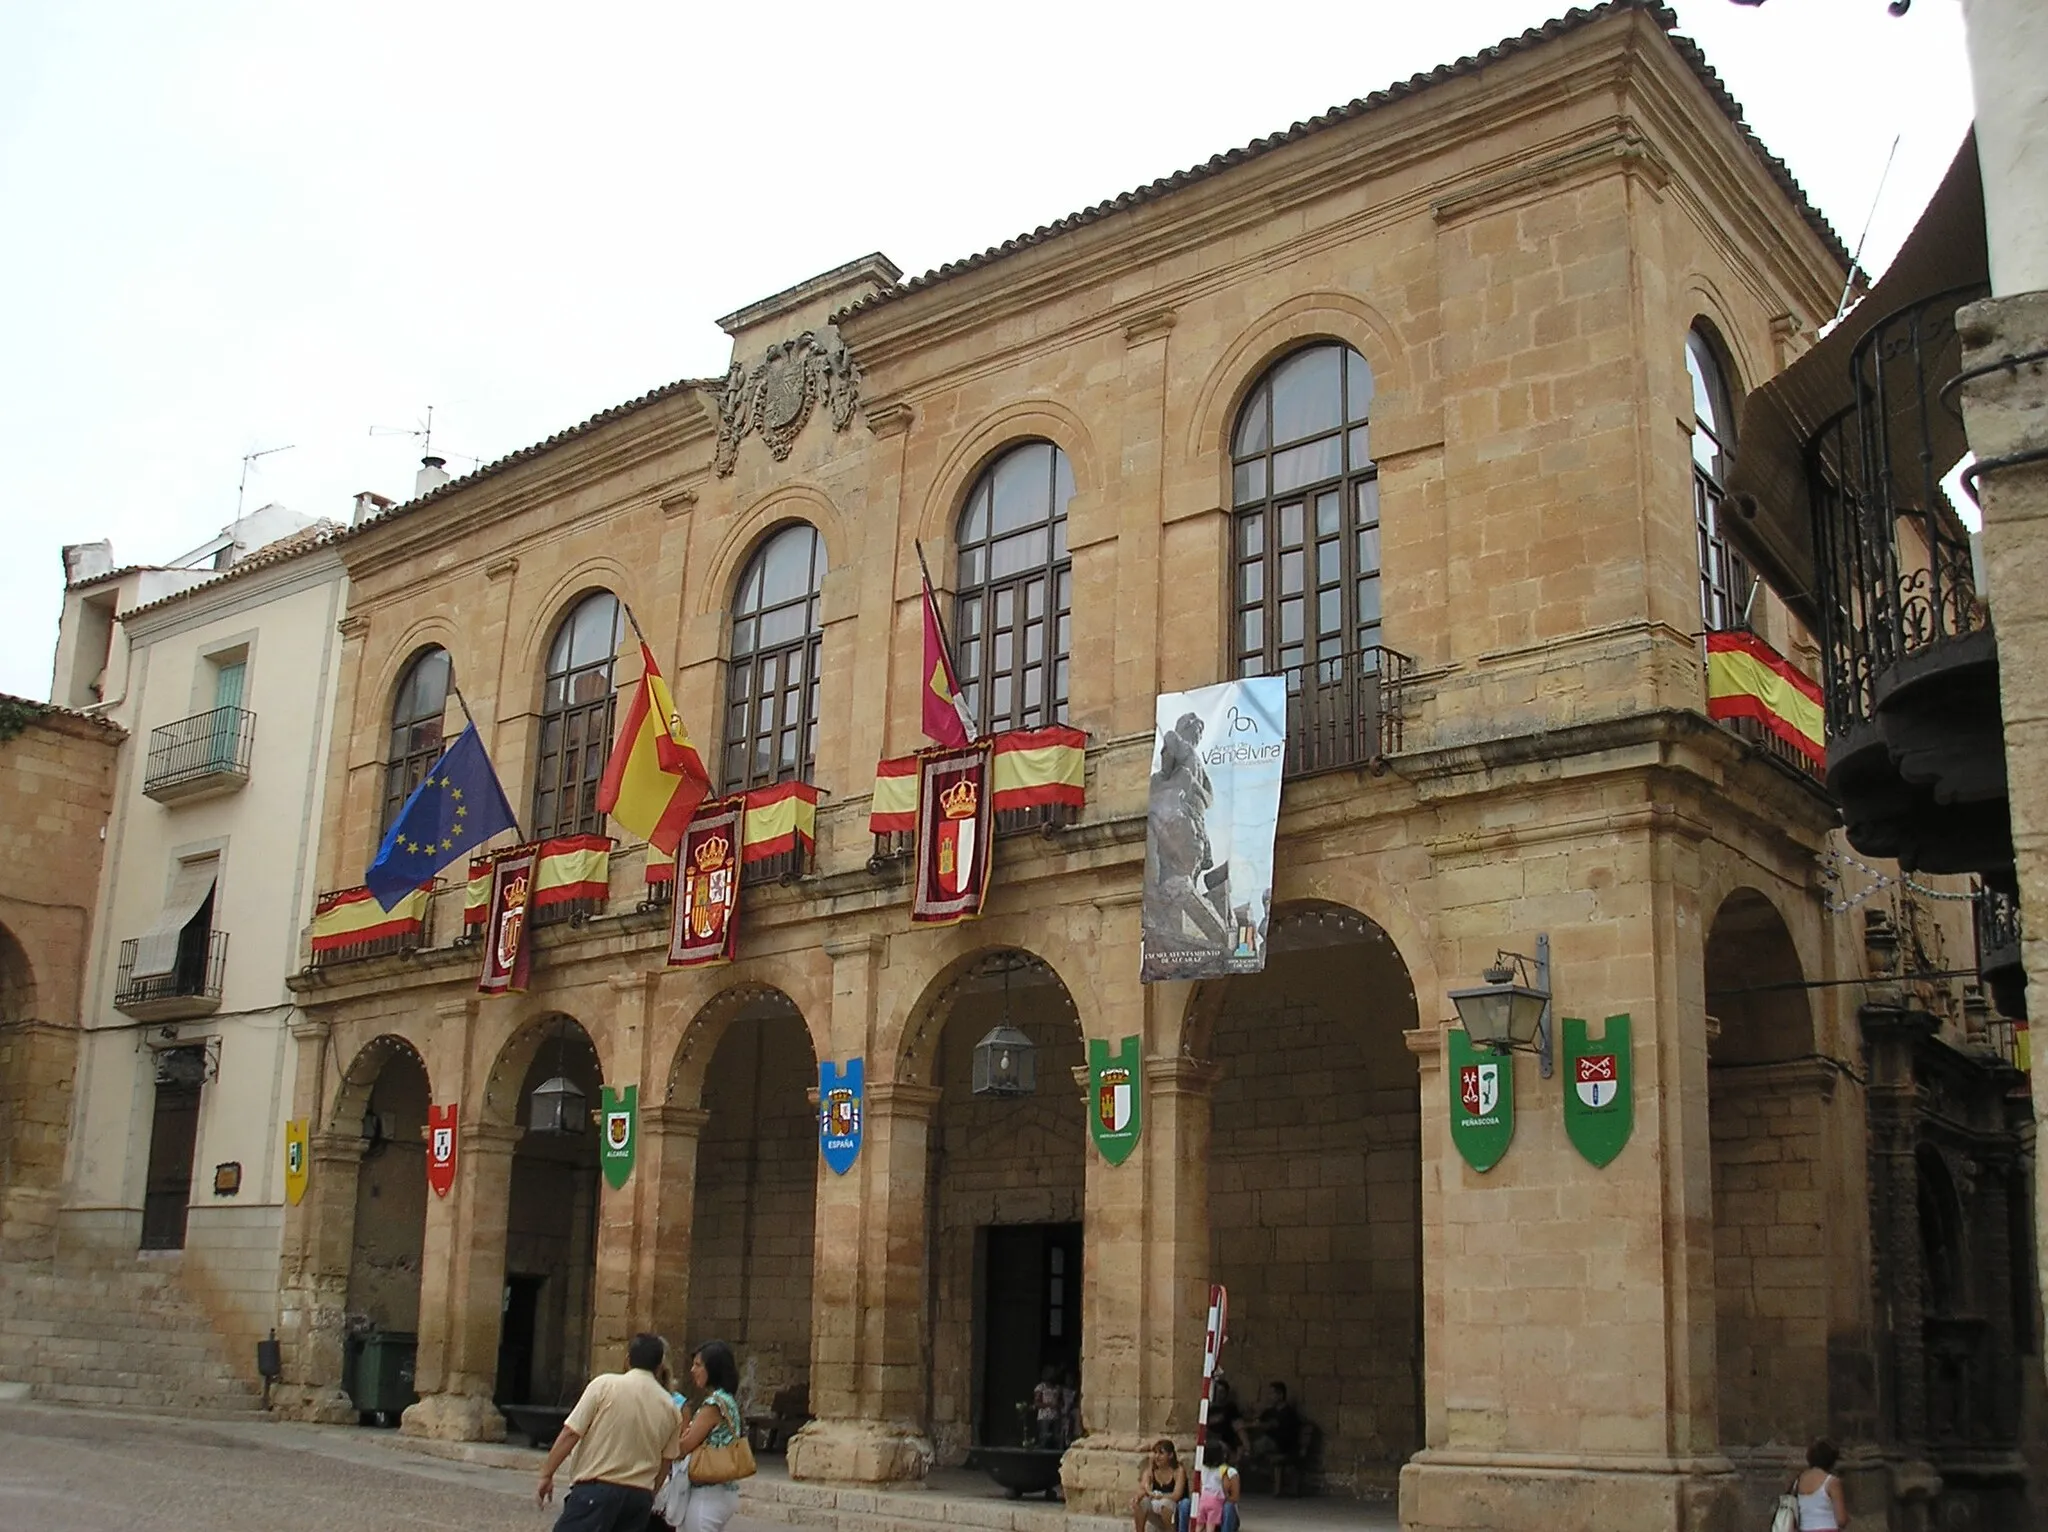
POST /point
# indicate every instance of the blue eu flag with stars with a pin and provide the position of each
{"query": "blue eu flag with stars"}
(458, 805)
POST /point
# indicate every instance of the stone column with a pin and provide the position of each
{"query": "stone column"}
(620, 1305)
(38, 1065)
(462, 1293)
(869, 1301)
(318, 1240)
(1145, 1283)
(669, 1136)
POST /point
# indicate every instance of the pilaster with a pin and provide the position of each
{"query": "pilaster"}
(462, 1279)
(313, 1297)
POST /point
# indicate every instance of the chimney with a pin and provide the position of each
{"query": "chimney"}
(368, 503)
(432, 475)
(87, 561)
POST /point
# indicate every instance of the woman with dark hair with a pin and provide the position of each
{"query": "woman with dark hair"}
(716, 1378)
(1821, 1506)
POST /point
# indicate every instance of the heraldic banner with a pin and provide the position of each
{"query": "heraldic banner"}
(1599, 1094)
(1116, 1089)
(706, 928)
(441, 1148)
(507, 956)
(1210, 815)
(955, 824)
(839, 1112)
(1482, 1101)
(295, 1164)
(621, 1139)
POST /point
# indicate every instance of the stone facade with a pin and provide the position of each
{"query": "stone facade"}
(56, 786)
(1515, 250)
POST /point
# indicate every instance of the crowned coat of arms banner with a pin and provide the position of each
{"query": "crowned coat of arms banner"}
(296, 1165)
(706, 928)
(441, 1148)
(1482, 1100)
(1599, 1094)
(840, 1088)
(620, 1140)
(507, 951)
(955, 825)
(1116, 1097)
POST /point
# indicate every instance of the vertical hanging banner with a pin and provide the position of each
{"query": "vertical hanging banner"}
(706, 928)
(1210, 815)
(839, 1111)
(1117, 1091)
(507, 956)
(621, 1139)
(1482, 1101)
(1599, 1087)
(295, 1161)
(441, 1148)
(955, 824)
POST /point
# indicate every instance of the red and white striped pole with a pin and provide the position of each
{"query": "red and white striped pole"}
(1212, 1348)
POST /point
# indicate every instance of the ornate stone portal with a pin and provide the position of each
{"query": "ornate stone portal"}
(774, 397)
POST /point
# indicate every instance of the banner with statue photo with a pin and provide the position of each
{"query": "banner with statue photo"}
(1210, 815)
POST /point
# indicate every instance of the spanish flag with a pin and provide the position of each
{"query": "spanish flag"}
(1747, 678)
(654, 780)
(946, 721)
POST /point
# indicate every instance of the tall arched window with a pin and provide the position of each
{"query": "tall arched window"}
(1013, 610)
(771, 692)
(1724, 577)
(1307, 501)
(576, 718)
(416, 742)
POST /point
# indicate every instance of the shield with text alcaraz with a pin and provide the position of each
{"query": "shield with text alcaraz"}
(1599, 1098)
(1482, 1100)
(621, 1140)
(839, 1113)
(1116, 1086)
(295, 1160)
(441, 1148)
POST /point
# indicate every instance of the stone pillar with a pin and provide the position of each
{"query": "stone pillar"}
(318, 1241)
(620, 1303)
(38, 1065)
(462, 1293)
(669, 1136)
(1146, 1288)
(869, 1304)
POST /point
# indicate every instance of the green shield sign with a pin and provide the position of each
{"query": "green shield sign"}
(1599, 1088)
(1116, 1097)
(621, 1137)
(1482, 1101)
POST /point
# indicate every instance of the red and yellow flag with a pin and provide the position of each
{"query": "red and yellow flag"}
(945, 715)
(1747, 678)
(654, 779)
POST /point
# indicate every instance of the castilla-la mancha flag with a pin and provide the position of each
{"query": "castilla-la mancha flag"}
(946, 721)
(654, 779)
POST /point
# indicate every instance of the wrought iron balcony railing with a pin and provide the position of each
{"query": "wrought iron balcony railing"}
(201, 755)
(191, 988)
(1344, 710)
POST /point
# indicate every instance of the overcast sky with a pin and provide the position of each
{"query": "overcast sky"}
(232, 227)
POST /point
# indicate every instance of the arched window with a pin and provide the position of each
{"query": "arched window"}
(1306, 494)
(771, 692)
(1013, 610)
(416, 742)
(576, 718)
(1724, 577)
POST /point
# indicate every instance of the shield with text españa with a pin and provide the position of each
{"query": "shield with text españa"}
(1482, 1100)
(1599, 1094)
(839, 1113)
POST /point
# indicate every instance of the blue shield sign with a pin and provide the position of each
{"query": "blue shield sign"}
(839, 1111)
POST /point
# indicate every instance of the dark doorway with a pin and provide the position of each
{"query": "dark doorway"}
(167, 1189)
(1030, 1320)
(515, 1340)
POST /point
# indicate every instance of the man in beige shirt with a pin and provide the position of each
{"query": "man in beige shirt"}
(625, 1432)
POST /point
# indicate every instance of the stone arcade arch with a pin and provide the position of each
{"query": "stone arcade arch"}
(1315, 1186)
(384, 1095)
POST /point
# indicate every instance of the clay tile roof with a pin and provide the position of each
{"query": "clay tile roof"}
(9, 702)
(290, 546)
(1572, 21)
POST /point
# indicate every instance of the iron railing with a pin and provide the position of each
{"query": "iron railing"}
(1344, 710)
(207, 745)
(1776, 748)
(1892, 560)
(202, 960)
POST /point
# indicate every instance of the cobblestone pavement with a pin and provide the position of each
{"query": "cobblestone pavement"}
(66, 1470)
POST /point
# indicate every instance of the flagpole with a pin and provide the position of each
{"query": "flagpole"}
(952, 663)
(638, 631)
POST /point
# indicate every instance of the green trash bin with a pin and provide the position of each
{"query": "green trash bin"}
(383, 1380)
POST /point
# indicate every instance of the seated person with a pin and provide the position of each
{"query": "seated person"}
(1162, 1490)
(1049, 1411)
(1276, 1438)
(1226, 1419)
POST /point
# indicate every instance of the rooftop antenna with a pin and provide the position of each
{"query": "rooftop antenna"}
(1856, 260)
(425, 432)
(247, 459)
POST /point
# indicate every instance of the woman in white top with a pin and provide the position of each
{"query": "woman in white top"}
(1821, 1506)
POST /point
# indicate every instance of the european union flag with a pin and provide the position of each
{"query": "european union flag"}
(457, 806)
